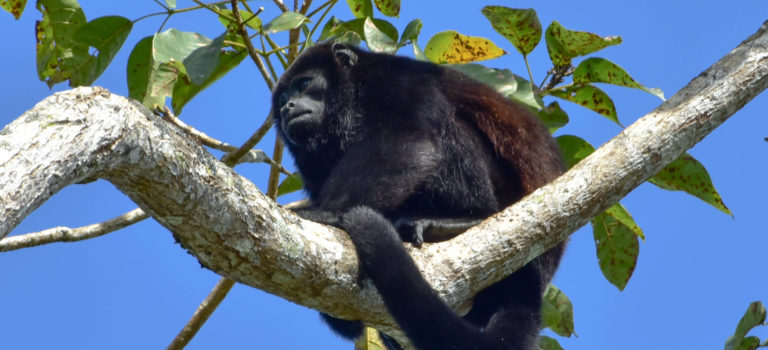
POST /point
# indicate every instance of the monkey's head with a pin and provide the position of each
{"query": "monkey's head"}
(313, 101)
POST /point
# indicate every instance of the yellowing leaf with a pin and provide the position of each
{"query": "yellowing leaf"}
(15, 7)
(452, 47)
(361, 8)
(389, 8)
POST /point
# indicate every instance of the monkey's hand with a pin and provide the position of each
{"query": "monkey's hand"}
(328, 217)
(418, 231)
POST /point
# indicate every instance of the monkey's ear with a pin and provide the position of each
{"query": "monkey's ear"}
(344, 55)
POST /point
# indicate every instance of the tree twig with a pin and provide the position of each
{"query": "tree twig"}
(249, 45)
(66, 234)
(203, 312)
(251, 156)
(281, 6)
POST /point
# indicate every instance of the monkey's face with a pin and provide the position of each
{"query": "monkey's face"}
(300, 105)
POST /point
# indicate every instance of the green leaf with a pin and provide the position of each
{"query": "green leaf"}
(616, 234)
(411, 32)
(520, 26)
(149, 81)
(377, 40)
(418, 53)
(574, 149)
(753, 317)
(335, 28)
(201, 62)
(588, 96)
(361, 8)
(547, 343)
(251, 21)
(139, 72)
(14, 7)
(106, 35)
(290, 184)
(349, 38)
(559, 312)
(307, 35)
(171, 3)
(452, 47)
(285, 21)
(174, 47)
(563, 44)
(600, 70)
(687, 174)
(389, 8)
(184, 90)
(330, 28)
(58, 54)
(553, 117)
(503, 81)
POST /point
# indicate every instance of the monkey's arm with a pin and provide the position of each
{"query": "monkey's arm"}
(426, 320)
(373, 175)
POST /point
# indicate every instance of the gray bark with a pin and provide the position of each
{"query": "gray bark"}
(236, 231)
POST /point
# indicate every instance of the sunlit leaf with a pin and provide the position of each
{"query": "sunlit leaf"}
(559, 312)
(377, 40)
(349, 38)
(106, 35)
(600, 70)
(418, 53)
(411, 32)
(573, 149)
(520, 26)
(361, 8)
(14, 7)
(563, 44)
(171, 3)
(285, 21)
(334, 27)
(370, 340)
(290, 184)
(588, 96)
(452, 47)
(174, 46)
(553, 117)
(389, 8)
(753, 317)
(149, 81)
(616, 239)
(184, 91)
(251, 21)
(687, 174)
(58, 54)
(548, 343)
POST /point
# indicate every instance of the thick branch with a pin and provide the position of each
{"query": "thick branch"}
(233, 229)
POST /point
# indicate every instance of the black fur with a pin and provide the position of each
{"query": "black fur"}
(392, 150)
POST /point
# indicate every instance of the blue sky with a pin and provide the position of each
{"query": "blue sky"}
(134, 289)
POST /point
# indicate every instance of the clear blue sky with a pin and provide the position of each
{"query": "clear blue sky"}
(134, 289)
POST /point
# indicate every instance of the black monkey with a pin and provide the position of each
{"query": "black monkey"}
(392, 149)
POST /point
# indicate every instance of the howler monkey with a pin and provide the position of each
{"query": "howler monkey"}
(391, 150)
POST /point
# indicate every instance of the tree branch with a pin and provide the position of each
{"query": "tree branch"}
(234, 230)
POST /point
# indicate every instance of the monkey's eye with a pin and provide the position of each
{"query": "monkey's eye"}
(302, 83)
